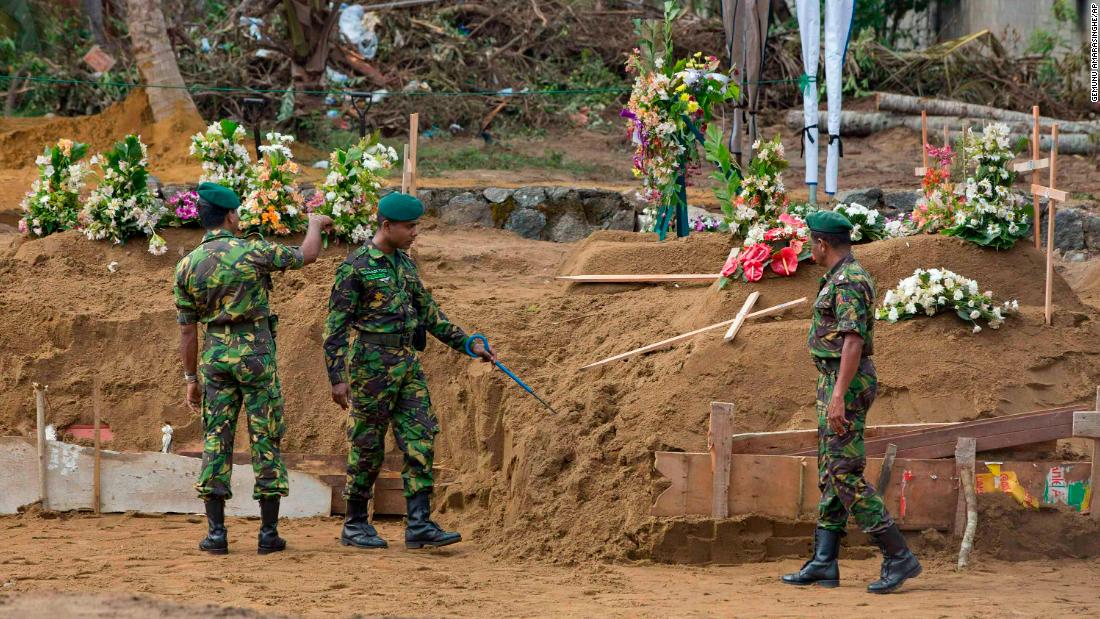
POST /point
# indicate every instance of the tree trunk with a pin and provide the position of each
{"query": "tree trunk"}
(892, 102)
(156, 60)
(93, 10)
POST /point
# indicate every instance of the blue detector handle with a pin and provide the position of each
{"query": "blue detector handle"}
(477, 337)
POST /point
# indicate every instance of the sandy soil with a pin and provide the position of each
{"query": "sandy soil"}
(155, 558)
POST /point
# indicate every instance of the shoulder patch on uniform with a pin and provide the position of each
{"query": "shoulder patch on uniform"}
(374, 274)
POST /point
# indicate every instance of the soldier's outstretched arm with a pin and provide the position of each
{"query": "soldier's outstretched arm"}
(311, 246)
(343, 304)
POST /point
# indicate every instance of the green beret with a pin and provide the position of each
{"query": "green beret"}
(219, 195)
(398, 206)
(828, 222)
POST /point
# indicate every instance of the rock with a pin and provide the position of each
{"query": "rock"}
(1077, 256)
(529, 197)
(900, 201)
(622, 220)
(153, 184)
(1069, 230)
(871, 197)
(602, 207)
(568, 228)
(1092, 232)
(633, 199)
(169, 191)
(526, 222)
(557, 194)
(468, 208)
(496, 195)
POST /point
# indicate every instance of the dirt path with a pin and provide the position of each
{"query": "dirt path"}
(118, 556)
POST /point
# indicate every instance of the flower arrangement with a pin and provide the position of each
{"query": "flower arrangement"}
(53, 203)
(991, 214)
(122, 206)
(351, 188)
(705, 223)
(183, 209)
(930, 291)
(671, 102)
(274, 206)
(900, 226)
(936, 209)
(867, 224)
(224, 158)
(761, 197)
(782, 248)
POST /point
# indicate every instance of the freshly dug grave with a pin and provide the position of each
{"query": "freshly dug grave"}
(527, 483)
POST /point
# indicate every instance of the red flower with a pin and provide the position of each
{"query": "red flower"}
(754, 270)
(791, 220)
(785, 261)
(757, 253)
(732, 262)
(796, 245)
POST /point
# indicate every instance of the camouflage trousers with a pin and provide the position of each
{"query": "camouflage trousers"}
(239, 370)
(841, 458)
(388, 384)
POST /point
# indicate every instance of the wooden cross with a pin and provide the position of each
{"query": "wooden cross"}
(1034, 166)
(1086, 424)
(1052, 195)
(924, 145)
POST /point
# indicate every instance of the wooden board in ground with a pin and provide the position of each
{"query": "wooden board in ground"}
(784, 441)
(144, 482)
(994, 433)
(785, 487)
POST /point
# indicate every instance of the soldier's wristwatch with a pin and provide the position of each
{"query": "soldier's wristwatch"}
(190, 378)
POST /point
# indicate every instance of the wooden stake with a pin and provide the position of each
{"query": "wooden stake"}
(1035, 173)
(656, 278)
(40, 427)
(946, 138)
(1094, 477)
(405, 169)
(414, 137)
(720, 444)
(965, 456)
(672, 340)
(96, 488)
(924, 137)
(1051, 213)
(740, 319)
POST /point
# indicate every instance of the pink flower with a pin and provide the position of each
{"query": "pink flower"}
(785, 261)
(728, 269)
(754, 270)
(791, 221)
(757, 253)
(796, 245)
(23, 229)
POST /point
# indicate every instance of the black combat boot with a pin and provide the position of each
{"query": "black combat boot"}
(269, 527)
(216, 542)
(898, 563)
(358, 531)
(420, 531)
(822, 569)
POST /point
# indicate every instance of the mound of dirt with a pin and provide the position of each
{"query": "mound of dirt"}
(528, 483)
(1013, 533)
(23, 139)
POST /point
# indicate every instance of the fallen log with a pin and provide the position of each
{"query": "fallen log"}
(892, 102)
(862, 124)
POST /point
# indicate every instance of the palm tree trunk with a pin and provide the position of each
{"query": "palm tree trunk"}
(156, 60)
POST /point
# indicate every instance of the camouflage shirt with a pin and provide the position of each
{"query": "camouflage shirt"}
(226, 279)
(375, 293)
(845, 304)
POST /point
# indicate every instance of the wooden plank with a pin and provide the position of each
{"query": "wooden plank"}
(966, 450)
(740, 318)
(1032, 165)
(1086, 424)
(414, 136)
(1036, 218)
(920, 171)
(40, 432)
(775, 309)
(784, 441)
(718, 442)
(96, 476)
(771, 486)
(656, 278)
(993, 433)
(1049, 193)
(150, 482)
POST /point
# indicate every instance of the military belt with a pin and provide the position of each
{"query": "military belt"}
(831, 365)
(239, 327)
(387, 340)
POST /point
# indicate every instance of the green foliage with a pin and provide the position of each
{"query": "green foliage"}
(726, 176)
(883, 18)
(433, 159)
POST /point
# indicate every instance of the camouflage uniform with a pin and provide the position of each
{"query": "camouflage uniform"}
(845, 304)
(382, 298)
(224, 284)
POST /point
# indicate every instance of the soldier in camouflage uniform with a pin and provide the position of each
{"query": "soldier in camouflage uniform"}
(223, 284)
(841, 343)
(378, 295)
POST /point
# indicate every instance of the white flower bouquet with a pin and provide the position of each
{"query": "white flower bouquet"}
(275, 206)
(351, 188)
(224, 158)
(867, 224)
(991, 214)
(931, 291)
(53, 202)
(122, 206)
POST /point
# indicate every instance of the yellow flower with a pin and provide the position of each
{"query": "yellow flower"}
(681, 88)
(693, 107)
(685, 97)
(637, 172)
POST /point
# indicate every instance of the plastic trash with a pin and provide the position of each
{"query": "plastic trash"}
(357, 27)
(321, 165)
(253, 24)
(204, 45)
(336, 77)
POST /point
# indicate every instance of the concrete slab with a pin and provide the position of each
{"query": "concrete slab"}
(148, 482)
